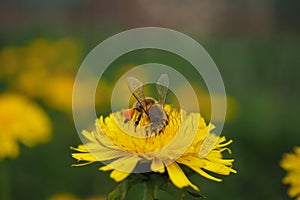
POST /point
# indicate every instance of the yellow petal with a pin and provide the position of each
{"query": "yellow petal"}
(105, 168)
(100, 154)
(203, 173)
(108, 154)
(101, 138)
(84, 156)
(80, 148)
(157, 165)
(191, 161)
(126, 163)
(178, 178)
(218, 168)
(224, 144)
(222, 139)
(89, 135)
(119, 175)
(197, 163)
(81, 164)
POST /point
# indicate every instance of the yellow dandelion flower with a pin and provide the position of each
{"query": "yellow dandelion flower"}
(123, 148)
(291, 163)
(21, 121)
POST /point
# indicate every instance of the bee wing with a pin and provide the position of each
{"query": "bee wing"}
(162, 88)
(137, 89)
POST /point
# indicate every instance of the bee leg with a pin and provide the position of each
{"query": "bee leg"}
(154, 129)
(136, 123)
(167, 121)
(159, 127)
(148, 130)
(159, 132)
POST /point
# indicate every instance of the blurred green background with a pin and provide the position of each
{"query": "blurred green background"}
(255, 45)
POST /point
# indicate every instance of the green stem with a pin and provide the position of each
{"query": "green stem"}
(182, 194)
(150, 191)
(4, 181)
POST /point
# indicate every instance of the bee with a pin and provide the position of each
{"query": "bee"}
(147, 106)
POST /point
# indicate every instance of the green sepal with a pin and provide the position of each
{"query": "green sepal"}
(152, 183)
(195, 194)
(120, 192)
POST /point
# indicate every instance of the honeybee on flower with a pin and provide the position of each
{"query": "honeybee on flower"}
(140, 145)
(148, 107)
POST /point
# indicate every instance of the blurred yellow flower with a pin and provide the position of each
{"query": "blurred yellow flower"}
(59, 91)
(43, 69)
(67, 196)
(125, 146)
(10, 61)
(21, 121)
(63, 196)
(291, 163)
(55, 91)
(62, 55)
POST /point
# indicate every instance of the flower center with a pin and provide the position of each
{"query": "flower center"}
(133, 135)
